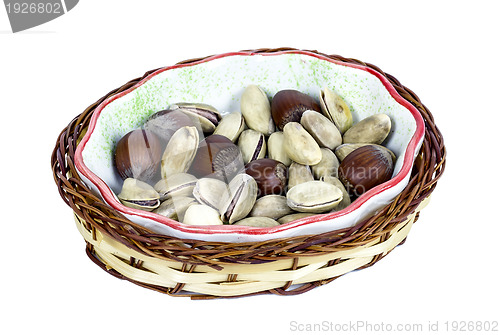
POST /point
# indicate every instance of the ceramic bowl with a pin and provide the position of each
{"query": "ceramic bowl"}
(219, 81)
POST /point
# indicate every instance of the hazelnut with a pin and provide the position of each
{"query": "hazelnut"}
(138, 155)
(365, 168)
(217, 157)
(270, 175)
(288, 106)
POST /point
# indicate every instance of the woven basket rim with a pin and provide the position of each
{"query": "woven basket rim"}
(99, 218)
(270, 232)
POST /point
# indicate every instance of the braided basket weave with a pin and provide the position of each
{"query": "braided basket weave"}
(202, 269)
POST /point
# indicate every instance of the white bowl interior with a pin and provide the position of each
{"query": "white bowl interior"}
(220, 83)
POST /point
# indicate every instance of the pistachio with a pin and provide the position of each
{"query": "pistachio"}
(175, 185)
(373, 129)
(165, 122)
(346, 200)
(174, 208)
(292, 217)
(314, 197)
(272, 206)
(298, 174)
(180, 151)
(139, 195)
(201, 215)
(328, 166)
(335, 108)
(299, 145)
(256, 110)
(206, 115)
(239, 201)
(322, 129)
(231, 126)
(256, 221)
(209, 191)
(252, 145)
(345, 149)
(276, 149)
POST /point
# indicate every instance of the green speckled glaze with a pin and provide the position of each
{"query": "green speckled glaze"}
(220, 83)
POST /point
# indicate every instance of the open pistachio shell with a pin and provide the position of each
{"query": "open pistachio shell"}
(373, 129)
(180, 151)
(272, 206)
(252, 145)
(276, 149)
(207, 116)
(299, 145)
(298, 174)
(314, 197)
(176, 185)
(322, 129)
(231, 126)
(239, 201)
(174, 208)
(139, 195)
(335, 108)
(209, 191)
(256, 110)
(346, 200)
(328, 166)
(202, 215)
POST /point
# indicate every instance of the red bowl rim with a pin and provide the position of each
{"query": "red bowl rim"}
(107, 193)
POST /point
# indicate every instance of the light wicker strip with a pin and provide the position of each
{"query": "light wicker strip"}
(250, 279)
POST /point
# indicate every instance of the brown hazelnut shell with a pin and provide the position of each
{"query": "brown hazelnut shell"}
(289, 105)
(217, 157)
(271, 175)
(365, 168)
(138, 155)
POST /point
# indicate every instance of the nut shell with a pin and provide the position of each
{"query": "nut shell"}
(270, 175)
(217, 157)
(138, 155)
(365, 168)
(288, 106)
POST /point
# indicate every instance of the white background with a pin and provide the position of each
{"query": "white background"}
(446, 52)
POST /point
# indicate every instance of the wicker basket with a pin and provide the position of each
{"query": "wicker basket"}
(201, 269)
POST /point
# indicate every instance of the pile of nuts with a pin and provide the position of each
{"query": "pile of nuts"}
(270, 163)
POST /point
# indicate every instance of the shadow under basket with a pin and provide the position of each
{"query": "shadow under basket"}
(201, 269)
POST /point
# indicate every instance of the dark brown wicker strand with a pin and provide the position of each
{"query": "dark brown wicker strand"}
(97, 216)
